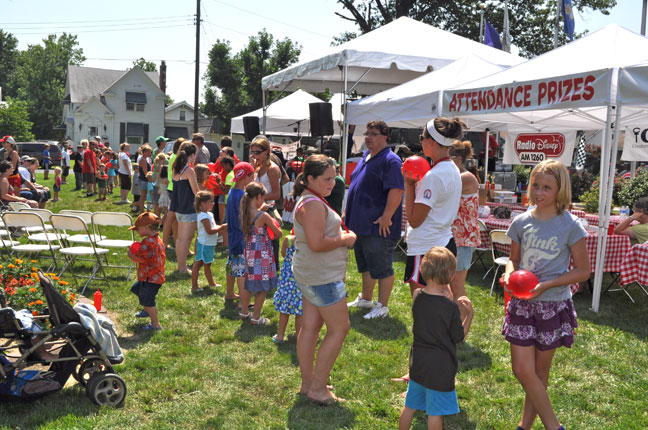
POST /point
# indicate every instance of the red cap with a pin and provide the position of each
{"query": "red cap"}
(241, 170)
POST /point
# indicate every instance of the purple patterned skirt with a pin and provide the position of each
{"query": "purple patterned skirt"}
(545, 325)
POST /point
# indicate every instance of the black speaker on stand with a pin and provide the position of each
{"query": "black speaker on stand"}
(250, 127)
(321, 120)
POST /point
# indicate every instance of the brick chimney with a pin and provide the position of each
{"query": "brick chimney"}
(163, 77)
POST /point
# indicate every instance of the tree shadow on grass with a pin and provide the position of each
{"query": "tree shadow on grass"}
(616, 310)
(378, 329)
(472, 358)
(305, 415)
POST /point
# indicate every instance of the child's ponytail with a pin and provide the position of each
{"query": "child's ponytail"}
(252, 191)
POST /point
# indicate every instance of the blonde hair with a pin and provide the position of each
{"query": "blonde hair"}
(57, 170)
(252, 191)
(438, 265)
(145, 147)
(264, 143)
(161, 158)
(559, 172)
(201, 197)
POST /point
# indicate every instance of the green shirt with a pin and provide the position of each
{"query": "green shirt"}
(229, 180)
(170, 172)
(641, 232)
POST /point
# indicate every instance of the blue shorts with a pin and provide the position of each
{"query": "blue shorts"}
(236, 266)
(204, 253)
(186, 217)
(434, 403)
(324, 295)
(146, 292)
(375, 254)
(464, 257)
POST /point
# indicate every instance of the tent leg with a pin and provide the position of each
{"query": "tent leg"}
(265, 108)
(345, 129)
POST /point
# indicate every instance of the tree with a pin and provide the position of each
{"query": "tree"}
(147, 66)
(40, 78)
(234, 81)
(531, 21)
(8, 56)
(14, 121)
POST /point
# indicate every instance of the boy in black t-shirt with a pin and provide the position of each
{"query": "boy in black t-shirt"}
(439, 324)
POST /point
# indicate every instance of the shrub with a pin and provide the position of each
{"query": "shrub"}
(590, 199)
(522, 173)
(20, 281)
(581, 182)
(632, 190)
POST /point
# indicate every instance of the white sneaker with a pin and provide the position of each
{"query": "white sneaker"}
(378, 311)
(359, 302)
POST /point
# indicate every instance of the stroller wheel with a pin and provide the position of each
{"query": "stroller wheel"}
(89, 367)
(106, 389)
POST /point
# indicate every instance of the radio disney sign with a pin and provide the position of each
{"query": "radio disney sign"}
(635, 144)
(532, 148)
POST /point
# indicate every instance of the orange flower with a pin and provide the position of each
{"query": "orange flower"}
(11, 266)
(31, 304)
(34, 313)
(55, 278)
(64, 292)
(18, 261)
(34, 261)
(39, 302)
(32, 290)
(34, 269)
(63, 283)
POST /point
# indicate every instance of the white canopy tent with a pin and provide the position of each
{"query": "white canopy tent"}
(576, 86)
(412, 104)
(390, 55)
(287, 116)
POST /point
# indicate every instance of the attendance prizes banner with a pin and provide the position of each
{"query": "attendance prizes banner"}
(635, 145)
(523, 147)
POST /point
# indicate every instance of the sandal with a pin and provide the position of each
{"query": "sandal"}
(276, 340)
(244, 316)
(260, 321)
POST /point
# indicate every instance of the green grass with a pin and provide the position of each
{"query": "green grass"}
(207, 369)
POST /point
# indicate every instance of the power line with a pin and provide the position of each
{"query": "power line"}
(103, 20)
(156, 27)
(125, 25)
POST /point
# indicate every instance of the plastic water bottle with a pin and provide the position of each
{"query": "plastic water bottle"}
(624, 212)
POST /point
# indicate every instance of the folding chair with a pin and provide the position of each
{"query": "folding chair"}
(39, 235)
(498, 237)
(402, 242)
(16, 206)
(481, 248)
(86, 216)
(25, 220)
(113, 219)
(64, 223)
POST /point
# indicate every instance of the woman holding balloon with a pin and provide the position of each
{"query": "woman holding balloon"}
(541, 317)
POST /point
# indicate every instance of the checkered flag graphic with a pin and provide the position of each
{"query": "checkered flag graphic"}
(579, 163)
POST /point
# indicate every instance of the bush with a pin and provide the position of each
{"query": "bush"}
(633, 190)
(590, 199)
(20, 285)
(523, 173)
(581, 182)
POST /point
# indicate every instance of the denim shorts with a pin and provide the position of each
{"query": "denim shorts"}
(434, 403)
(375, 254)
(464, 257)
(186, 217)
(146, 292)
(324, 295)
(204, 253)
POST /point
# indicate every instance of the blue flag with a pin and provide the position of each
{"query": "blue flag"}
(491, 36)
(568, 15)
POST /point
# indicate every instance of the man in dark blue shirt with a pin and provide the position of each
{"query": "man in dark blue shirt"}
(373, 212)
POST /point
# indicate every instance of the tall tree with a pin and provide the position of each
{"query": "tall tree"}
(234, 80)
(8, 56)
(40, 76)
(147, 66)
(14, 121)
(531, 21)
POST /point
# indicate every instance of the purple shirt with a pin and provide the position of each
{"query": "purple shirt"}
(371, 182)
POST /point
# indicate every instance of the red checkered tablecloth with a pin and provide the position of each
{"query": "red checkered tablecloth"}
(511, 206)
(593, 219)
(635, 266)
(578, 213)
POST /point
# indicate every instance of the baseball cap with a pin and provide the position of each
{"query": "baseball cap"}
(25, 158)
(8, 139)
(145, 218)
(160, 139)
(97, 138)
(241, 170)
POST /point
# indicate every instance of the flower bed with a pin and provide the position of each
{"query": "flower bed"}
(20, 284)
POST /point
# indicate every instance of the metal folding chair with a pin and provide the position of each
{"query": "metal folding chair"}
(64, 223)
(39, 235)
(86, 216)
(114, 219)
(25, 220)
(498, 237)
(481, 248)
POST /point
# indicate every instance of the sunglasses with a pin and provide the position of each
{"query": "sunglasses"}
(258, 151)
(372, 134)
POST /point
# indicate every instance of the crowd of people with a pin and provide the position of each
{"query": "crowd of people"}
(236, 203)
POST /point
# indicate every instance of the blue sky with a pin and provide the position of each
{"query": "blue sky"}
(114, 33)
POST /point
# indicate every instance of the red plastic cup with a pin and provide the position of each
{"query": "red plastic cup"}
(610, 229)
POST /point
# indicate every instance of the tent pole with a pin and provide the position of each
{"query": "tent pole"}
(633, 169)
(345, 135)
(265, 108)
(486, 156)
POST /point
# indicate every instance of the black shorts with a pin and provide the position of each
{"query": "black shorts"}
(413, 265)
(145, 292)
(124, 181)
(89, 178)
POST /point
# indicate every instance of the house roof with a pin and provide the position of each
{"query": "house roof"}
(85, 82)
(177, 105)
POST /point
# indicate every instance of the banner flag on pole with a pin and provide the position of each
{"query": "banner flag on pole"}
(506, 37)
(568, 14)
(491, 36)
(581, 155)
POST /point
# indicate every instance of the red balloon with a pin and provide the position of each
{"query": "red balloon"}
(297, 166)
(270, 232)
(416, 166)
(212, 182)
(135, 247)
(521, 282)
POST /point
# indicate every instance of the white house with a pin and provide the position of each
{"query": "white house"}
(178, 120)
(120, 106)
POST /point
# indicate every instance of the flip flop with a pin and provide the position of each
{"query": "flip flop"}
(260, 321)
(276, 340)
(244, 316)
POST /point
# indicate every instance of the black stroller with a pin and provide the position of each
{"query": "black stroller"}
(79, 355)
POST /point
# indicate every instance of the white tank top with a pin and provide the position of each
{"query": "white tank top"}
(265, 180)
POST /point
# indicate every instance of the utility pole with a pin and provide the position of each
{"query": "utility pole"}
(557, 23)
(197, 75)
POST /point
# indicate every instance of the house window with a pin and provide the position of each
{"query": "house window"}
(93, 131)
(135, 133)
(135, 101)
(183, 115)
